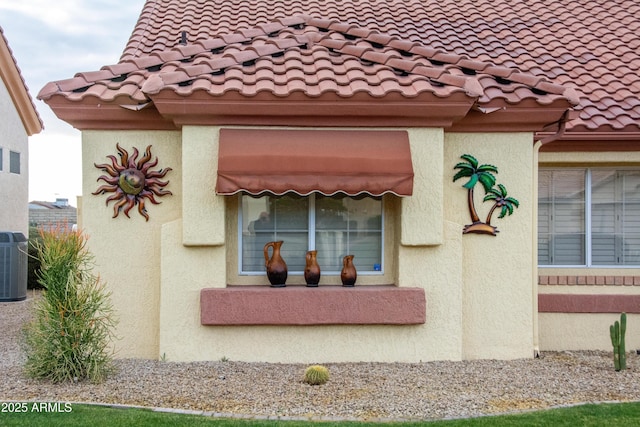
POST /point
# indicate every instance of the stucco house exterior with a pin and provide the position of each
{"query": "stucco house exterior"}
(19, 121)
(386, 130)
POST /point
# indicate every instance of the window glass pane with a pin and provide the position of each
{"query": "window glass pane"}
(544, 216)
(615, 225)
(14, 162)
(1, 162)
(561, 231)
(271, 218)
(604, 210)
(631, 218)
(341, 225)
(346, 225)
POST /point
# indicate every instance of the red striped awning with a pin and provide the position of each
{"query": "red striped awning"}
(352, 162)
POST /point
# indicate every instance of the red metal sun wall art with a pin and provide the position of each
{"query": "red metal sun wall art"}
(132, 181)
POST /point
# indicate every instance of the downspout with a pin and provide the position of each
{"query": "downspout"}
(534, 252)
(562, 125)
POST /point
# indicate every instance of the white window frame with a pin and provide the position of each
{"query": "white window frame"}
(588, 220)
(312, 241)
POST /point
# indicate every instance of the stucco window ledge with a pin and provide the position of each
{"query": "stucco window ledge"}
(324, 305)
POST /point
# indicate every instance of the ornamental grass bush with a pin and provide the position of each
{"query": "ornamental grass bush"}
(70, 335)
(33, 262)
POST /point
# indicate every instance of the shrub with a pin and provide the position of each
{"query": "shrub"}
(68, 338)
(33, 262)
(316, 375)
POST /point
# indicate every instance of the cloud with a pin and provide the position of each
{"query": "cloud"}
(53, 40)
(76, 17)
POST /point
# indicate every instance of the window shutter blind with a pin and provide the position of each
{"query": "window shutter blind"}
(563, 216)
(631, 218)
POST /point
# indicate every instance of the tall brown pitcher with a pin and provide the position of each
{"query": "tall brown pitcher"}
(348, 275)
(276, 267)
(312, 269)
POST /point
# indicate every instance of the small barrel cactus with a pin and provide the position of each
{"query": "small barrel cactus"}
(316, 375)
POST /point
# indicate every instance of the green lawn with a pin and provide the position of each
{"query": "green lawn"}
(623, 414)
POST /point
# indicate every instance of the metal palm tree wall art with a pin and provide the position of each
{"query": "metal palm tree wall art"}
(132, 181)
(483, 174)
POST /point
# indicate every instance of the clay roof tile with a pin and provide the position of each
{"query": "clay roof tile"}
(271, 28)
(121, 68)
(93, 76)
(526, 53)
(378, 39)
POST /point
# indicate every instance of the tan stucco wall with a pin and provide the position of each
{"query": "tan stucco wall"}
(421, 217)
(498, 282)
(586, 331)
(203, 213)
(157, 269)
(14, 188)
(127, 250)
(183, 338)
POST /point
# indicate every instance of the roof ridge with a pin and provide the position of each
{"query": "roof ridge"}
(404, 48)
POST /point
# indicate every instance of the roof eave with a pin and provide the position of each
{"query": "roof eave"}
(18, 91)
(593, 141)
(512, 118)
(92, 114)
(170, 111)
(301, 109)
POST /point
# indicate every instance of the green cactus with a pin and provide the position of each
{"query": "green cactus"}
(617, 332)
(316, 375)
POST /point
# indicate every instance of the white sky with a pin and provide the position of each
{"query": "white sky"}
(53, 40)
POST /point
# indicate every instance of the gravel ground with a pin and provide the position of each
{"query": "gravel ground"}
(355, 391)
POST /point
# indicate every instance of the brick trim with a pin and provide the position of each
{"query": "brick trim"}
(590, 280)
(570, 303)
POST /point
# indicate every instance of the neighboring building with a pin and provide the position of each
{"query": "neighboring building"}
(19, 120)
(346, 127)
(46, 214)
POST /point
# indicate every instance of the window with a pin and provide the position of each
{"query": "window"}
(1, 160)
(589, 217)
(14, 162)
(335, 226)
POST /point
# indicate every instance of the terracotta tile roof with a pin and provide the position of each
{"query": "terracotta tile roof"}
(455, 61)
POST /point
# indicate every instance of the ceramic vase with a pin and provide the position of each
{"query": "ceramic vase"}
(312, 269)
(348, 275)
(276, 267)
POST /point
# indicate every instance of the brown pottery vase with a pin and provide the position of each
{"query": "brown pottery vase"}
(312, 269)
(348, 274)
(276, 267)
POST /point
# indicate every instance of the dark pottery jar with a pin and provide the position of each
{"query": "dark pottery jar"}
(348, 274)
(312, 269)
(276, 267)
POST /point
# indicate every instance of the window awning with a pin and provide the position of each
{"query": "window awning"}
(306, 161)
